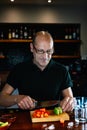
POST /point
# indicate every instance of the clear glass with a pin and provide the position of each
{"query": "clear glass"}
(80, 110)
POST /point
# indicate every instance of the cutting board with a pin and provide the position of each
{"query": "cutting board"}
(51, 117)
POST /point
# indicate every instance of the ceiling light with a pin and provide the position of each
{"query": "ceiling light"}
(49, 1)
(12, 0)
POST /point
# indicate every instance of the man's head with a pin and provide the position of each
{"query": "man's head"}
(42, 49)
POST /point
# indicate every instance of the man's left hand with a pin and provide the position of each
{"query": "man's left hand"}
(68, 103)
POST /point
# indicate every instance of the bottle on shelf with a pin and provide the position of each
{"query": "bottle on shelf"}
(70, 33)
(74, 34)
(9, 34)
(78, 33)
(66, 34)
(25, 33)
(30, 34)
(13, 34)
(2, 35)
(16, 34)
(21, 33)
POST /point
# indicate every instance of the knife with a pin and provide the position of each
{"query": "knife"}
(46, 104)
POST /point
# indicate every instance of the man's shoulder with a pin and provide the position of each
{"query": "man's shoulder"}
(58, 65)
(23, 65)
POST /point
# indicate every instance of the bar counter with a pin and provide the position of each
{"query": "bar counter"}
(23, 122)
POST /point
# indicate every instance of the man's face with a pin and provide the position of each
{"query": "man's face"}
(42, 53)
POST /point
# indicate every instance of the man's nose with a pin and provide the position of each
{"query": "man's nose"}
(45, 54)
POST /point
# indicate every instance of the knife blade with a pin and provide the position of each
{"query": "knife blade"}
(46, 104)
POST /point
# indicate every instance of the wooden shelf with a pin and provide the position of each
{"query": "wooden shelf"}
(65, 57)
(67, 41)
(56, 41)
(15, 40)
(27, 40)
(54, 56)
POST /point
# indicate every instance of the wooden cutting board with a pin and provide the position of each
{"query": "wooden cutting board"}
(51, 117)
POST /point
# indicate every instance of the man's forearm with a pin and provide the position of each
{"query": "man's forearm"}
(9, 100)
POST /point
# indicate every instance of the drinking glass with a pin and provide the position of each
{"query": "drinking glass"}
(80, 110)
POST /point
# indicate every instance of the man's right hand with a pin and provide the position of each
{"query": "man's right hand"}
(26, 103)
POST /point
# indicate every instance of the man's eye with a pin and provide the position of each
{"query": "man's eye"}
(40, 51)
(48, 51)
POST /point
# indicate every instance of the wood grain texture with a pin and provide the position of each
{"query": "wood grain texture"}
(51, 117)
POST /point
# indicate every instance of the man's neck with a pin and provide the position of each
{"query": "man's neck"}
(39, 66)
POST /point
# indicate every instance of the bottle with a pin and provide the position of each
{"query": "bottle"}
(2, 35)
(13, 34)
(70, 33)
(78, 33)
(30, 34)
(25, 33)
(21, 33)
(16, 34)
(9, 34)
(74, 34)
(66, 34)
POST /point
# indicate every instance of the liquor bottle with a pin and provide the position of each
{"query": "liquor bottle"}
(70, 33)
(30, 34)
(66, 34)
(9, 34)
(16, 34)
(2, 35)
(25, 33)
(21, 33)
(78, 33)
(74, 34)
(13, 34)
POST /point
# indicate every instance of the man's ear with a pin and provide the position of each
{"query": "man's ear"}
(31, 47)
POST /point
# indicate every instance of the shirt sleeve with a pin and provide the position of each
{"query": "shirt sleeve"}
(13, 78)
(67, 81)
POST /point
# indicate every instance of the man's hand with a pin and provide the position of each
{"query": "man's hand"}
(68, 103)
(26, 103)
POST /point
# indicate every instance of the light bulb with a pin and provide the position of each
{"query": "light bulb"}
(12, 0)
(49, 1)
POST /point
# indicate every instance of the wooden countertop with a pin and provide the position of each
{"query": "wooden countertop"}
(23, 122)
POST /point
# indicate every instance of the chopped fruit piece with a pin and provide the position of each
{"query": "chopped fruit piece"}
(40, 113)
(43, 109)
(3, 124)
(61, 120)
(57, 110)
(60, 110)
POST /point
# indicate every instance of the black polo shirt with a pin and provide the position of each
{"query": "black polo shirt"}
(40, 85)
